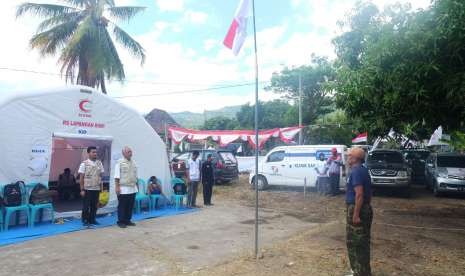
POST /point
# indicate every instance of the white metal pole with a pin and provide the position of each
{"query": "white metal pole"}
(257, 147)
(300, 107)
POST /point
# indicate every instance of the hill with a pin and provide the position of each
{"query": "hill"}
(195, 120)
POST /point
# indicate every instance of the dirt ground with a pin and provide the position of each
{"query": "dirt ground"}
(421, 235)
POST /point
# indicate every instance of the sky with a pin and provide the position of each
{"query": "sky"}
(185, 55)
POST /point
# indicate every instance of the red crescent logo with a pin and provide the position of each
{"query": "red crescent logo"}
(84, 105)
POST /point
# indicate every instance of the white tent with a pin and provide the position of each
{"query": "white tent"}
(44, 132)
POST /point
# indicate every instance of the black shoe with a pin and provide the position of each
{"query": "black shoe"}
(121, 225)
(95, 223)
(86, 224)
(130, 223)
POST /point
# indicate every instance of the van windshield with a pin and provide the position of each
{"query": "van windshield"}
(388, 157)
(451, 161)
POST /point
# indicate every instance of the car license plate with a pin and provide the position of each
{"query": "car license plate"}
(179, 166)
(384, 181)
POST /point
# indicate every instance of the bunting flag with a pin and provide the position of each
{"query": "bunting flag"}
(225, 137)
(362, 137)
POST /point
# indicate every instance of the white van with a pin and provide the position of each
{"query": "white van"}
(291, 165)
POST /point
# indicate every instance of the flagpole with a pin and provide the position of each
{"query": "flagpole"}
(257, 147)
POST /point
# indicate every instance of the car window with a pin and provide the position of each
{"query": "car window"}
(388, 157)
(184, 156)
(451, 161)
(276, 156)
(228, 157)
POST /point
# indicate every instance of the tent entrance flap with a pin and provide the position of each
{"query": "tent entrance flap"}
(68, 152)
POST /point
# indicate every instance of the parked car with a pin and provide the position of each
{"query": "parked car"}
(225, 164)
(291, 165)
(416, 159)
(445, 173)
(388, 168)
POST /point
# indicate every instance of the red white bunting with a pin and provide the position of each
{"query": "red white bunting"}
(226, 137)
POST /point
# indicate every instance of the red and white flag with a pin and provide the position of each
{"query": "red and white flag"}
(362, 137)
(238, 30)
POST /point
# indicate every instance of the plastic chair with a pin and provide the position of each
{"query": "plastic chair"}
(1, 219)
(142, 195)
(9, 210)
(178, 199)
(34, 208)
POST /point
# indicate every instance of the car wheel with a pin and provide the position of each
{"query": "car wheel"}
(407, 192)
(262, 183)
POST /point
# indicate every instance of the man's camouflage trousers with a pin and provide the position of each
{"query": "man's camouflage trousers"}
(359, 240)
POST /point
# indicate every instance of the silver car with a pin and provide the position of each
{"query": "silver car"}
(445, 173)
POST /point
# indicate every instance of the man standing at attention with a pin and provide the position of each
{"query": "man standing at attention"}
(334, 163)
(359, 214)
(193, 178)
(90, 181)
(207, 180)
(126, 187)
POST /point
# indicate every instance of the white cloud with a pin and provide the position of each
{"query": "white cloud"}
(210, 44)
(196, 17)
(170, 5)
(174, 67)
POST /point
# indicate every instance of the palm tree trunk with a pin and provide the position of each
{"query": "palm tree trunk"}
(102, 84)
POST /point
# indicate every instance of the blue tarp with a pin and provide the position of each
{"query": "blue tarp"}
(18, 234)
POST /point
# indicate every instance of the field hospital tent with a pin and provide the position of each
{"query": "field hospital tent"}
(44, 132)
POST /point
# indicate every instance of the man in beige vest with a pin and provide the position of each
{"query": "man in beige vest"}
(126, 187)
(90, 181)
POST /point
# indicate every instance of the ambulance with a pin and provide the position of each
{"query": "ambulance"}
(296, 166)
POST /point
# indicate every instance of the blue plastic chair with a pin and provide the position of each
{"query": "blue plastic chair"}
(34, 208)
(9, 210)
(142, 195)
(177, 199)
(1, 219)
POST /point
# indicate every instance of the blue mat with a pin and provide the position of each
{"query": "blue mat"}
(20, 234)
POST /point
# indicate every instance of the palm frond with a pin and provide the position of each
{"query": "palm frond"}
(49, 41)
(44, 10)
(59, 19)
(110, 3)
(113, 67)
(78, 3)
(129, 43)
(125, 13)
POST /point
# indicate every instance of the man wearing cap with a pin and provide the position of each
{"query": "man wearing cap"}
(334, 163)
(126, 187)
(359, 214)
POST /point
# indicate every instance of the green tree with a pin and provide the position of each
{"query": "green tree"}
(402, 68)
(82, 31)
(333, 128)
(272, 114)
(316, 94)
(220, 123)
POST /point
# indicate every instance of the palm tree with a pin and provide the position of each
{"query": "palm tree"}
(82, 31)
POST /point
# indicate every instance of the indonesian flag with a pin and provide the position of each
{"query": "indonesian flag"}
(362, 137)
(238, 30)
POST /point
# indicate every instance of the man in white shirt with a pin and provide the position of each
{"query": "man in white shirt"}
(126, 187)
(193, 178)
(90, 181)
